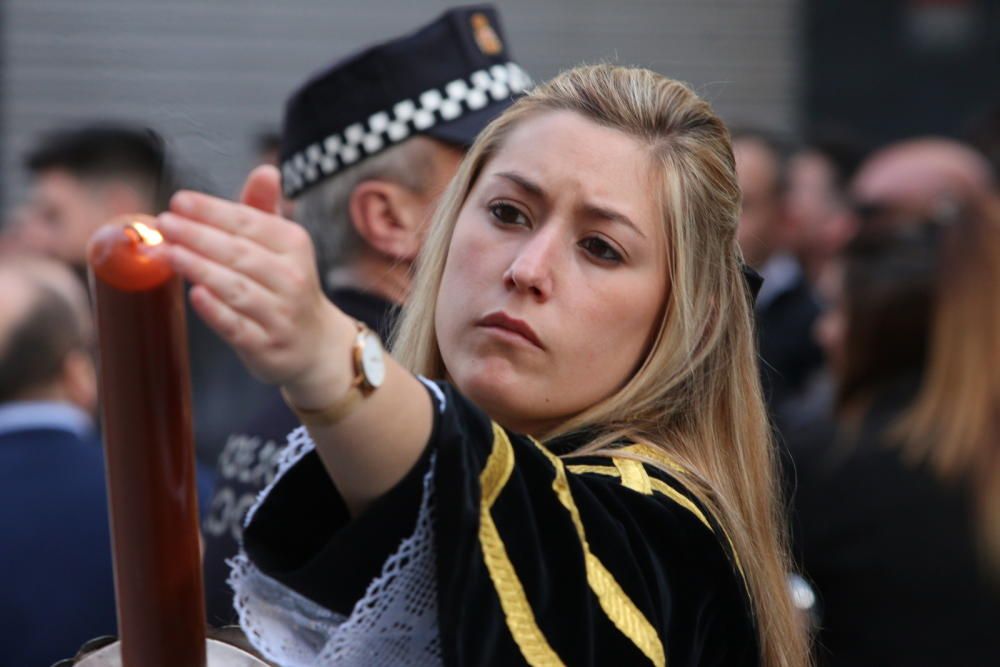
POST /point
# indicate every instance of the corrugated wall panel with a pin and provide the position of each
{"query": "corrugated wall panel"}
(209, 75)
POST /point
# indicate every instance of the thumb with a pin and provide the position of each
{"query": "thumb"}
(262, 189)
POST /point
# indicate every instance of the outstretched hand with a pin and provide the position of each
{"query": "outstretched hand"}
(255, 279)
(256, 284)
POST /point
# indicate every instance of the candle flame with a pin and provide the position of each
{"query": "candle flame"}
(147, 234)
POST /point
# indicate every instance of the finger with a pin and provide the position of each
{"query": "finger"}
(243, 334)
(242, 255)
(262, 189)
(268, 230)
(236, 291)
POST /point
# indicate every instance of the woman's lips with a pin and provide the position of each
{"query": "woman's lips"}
(504, 322)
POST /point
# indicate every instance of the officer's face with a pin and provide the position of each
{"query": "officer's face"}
(555, 277)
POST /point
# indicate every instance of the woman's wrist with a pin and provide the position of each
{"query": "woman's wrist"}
(329, 378)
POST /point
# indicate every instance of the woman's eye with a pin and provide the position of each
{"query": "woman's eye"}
(508, 215)
(601, 249)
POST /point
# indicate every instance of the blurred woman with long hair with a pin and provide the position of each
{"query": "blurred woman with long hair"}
(897, 516)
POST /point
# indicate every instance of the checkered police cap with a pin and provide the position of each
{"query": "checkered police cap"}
(447, 80)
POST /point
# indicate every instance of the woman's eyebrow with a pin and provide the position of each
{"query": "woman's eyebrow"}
(594, 211)
(590, 210)
(524, 183)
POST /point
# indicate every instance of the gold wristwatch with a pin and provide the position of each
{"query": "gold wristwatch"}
(368, 358)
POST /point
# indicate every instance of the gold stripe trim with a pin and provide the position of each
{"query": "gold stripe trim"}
(620, 609)
(596, 470)
(665, 460)
(634, 476)
(681, 500)
(513, 600)
(498, 468)
(655, 454)
(653, 483)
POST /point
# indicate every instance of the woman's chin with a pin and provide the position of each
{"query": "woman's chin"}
(504, 399)
(491, 391)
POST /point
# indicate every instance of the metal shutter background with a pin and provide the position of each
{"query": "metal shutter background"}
(209, 75)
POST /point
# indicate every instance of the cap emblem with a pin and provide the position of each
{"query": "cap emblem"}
(486, 37)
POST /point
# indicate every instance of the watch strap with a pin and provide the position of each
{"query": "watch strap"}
(330, 415)
(336, 412)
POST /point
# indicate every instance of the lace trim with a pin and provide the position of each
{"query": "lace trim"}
(436, 391)
(299, 444)
(394, 623)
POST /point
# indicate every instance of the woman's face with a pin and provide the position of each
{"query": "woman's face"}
(556, 274)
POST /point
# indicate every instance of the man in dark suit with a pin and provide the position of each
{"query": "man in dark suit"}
(785, 308)
(56, 582)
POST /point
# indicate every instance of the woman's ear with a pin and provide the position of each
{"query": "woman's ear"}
(389, 217)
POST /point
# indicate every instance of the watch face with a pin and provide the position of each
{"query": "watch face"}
(372, 360)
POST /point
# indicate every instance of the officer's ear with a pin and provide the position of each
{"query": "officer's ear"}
(389, 217)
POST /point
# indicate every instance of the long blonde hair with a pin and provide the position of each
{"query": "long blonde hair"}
(954, 422)
(696, 396)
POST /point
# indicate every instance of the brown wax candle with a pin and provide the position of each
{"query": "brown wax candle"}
(146, 407)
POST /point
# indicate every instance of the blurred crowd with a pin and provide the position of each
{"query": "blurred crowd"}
(879, 332)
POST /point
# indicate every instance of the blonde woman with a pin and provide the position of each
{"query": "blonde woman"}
(567, 459)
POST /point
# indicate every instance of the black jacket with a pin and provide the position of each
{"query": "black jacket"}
(890, 550)
(56, 580)
(788, 352)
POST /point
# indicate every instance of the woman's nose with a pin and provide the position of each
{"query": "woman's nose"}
(533, 267)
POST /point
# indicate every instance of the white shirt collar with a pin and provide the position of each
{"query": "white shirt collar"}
(25, 415)
(780, 273)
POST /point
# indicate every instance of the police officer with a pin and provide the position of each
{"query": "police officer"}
(367, 146)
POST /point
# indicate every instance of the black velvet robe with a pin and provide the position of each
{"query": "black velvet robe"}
(540, 560)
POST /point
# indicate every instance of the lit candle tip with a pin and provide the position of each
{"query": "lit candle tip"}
(147, 234)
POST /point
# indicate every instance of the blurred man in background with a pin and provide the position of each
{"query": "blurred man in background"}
(923, 173)
(21, 233)
(818, 177)
(55, 564)
(785, 307)
(367, 148)
(83, 177)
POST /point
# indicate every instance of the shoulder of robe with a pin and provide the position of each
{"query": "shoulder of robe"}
(666, 483)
